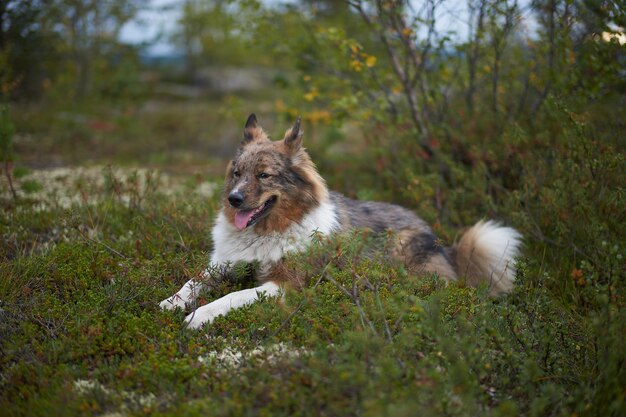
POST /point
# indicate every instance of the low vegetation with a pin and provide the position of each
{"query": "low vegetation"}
(86, 255)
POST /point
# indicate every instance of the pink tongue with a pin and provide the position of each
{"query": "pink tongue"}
(242, 218)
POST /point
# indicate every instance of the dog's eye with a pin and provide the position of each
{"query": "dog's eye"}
(263, 175)
(236, 173)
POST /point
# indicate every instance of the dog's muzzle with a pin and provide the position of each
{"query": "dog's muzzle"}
(235, 199)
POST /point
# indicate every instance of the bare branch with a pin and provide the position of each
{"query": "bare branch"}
(416, 116)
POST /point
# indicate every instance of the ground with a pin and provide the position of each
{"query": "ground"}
(89, 249)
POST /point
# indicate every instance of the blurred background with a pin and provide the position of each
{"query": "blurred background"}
(391, 92)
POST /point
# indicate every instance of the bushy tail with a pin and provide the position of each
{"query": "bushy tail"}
(486, 253)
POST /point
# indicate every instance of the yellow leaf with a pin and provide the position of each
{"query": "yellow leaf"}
(318, 116)
(356, 65)
(370, 61)
(310, 96)
(279, 105)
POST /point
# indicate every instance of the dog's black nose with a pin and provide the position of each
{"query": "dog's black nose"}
(235, 198)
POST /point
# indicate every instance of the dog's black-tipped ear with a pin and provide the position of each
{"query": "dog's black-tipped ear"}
(250, 128)
(293, 137)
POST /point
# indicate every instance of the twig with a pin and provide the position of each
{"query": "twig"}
(102, 243)
(355, 298)
(7, 172)
(362, 316)
(303, 302)
(418, 119)
(380, 306)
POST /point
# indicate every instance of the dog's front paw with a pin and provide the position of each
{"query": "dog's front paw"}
(205, 314)
(173, 302)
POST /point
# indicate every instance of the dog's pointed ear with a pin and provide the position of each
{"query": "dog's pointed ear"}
(293, 137)
(251, 129)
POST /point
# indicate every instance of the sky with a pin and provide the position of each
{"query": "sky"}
(159, 19)
(155, 21)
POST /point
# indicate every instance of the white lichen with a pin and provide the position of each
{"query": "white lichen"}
(69, 187)
(233, 358)
(130, 401)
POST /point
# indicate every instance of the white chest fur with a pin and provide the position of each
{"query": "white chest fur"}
(232, 245)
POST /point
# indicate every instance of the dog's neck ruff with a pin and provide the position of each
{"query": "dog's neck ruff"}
(232, 245)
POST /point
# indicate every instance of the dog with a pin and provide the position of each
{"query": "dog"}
(275, 200)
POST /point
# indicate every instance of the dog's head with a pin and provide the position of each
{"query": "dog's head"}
(271, 184)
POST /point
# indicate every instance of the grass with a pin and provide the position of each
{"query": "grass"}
(87, 253)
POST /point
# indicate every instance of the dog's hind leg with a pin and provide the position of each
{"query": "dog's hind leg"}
(423, 254)
(436, 264)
